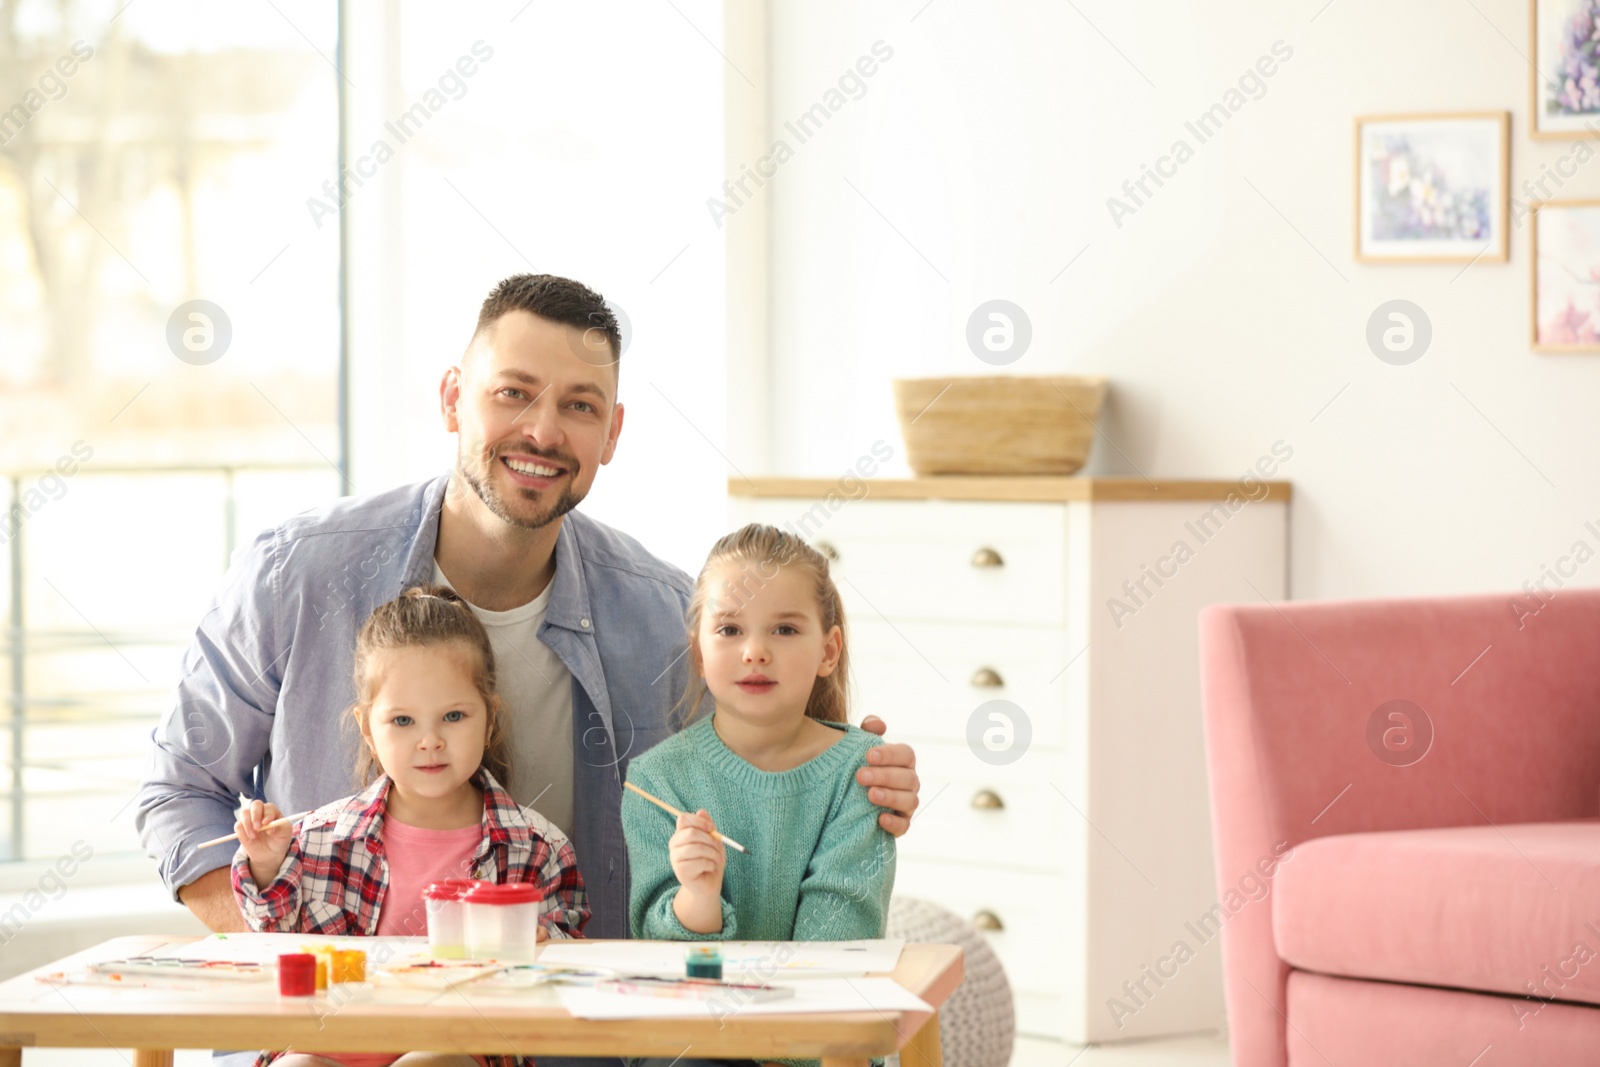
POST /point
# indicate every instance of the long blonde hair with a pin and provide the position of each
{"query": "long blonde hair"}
(770, 549)
(420, 617)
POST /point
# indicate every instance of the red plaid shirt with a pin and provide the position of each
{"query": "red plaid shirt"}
(335, 877)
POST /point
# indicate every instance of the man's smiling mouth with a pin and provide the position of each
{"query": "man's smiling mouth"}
(525, 466)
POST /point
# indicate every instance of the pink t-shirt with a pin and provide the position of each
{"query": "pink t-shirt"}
(417, 858)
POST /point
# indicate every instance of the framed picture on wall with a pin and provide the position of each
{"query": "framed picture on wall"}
(1564, 81)
(1432, 188)
(1565, 272)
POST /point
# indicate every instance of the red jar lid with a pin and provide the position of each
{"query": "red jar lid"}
(514, 893)
(449, 889)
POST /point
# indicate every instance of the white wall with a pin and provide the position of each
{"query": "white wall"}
(1228, 310)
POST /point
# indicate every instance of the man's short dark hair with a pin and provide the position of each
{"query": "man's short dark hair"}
(559, 300)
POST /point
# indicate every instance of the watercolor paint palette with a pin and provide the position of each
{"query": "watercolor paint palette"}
(520, 976)
(437, 974)
(695, 989)
(486, 975)
(173, 967)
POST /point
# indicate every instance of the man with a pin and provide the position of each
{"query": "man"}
(587, 625)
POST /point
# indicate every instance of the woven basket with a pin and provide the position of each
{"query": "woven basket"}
(1001, 425)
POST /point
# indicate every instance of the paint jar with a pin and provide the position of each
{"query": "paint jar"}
(349, 965)
(297, 974)
(447, 918)
(324, 951)
(503, 921)
(703, 961)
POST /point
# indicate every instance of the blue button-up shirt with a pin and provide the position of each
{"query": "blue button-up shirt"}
(267, 681)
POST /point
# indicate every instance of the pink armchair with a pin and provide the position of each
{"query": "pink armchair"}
(1441, 902)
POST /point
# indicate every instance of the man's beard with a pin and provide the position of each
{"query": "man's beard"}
(496, 503)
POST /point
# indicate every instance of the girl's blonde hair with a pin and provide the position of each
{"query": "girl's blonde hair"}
(762, 551)
(421, 617)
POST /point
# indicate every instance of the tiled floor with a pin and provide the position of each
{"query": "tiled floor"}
(1030, 1052)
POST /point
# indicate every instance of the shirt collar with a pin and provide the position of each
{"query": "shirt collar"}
(569, 593)
(502, 816)
(419, 564)
(364, 813)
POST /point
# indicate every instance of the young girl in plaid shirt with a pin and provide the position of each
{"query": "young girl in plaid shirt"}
(433, 756)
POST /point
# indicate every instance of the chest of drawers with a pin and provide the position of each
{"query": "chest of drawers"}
(1034, 640)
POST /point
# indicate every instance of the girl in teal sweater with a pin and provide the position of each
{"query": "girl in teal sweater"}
(773, 766)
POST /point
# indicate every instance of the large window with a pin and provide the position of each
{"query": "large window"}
(171, 313)
(169, 363)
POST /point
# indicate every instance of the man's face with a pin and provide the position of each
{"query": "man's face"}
(534, 407)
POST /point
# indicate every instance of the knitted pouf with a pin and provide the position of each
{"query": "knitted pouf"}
(977, 1025)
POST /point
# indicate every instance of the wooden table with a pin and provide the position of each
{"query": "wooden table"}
(154, 1021)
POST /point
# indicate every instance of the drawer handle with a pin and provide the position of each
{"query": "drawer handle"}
(987, 678)
(827, 550)
(987, 800)
(988, 921)
(987, 557)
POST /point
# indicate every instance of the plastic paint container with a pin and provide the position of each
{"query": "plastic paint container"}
(703, 961)
(297, 974)
(349, 965)
(447, 918)
(503, 921)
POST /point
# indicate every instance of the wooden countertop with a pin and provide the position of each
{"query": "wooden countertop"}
(1046, 488)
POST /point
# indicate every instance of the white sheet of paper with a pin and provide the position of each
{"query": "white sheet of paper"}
(741, 960)
(812, 996)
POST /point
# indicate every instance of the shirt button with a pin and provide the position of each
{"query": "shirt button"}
(584, 623)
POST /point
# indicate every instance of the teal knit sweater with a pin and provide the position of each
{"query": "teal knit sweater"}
(820, 868)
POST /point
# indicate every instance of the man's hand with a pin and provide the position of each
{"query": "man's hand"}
(891, 779)
(211, 898)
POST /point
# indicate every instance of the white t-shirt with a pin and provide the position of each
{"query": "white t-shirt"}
(537, 689)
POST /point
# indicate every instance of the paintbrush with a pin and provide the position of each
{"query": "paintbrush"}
(274, 824)
(664, 806)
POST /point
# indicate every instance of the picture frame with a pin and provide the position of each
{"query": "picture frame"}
(1432, 187)
(1564, 276)
(1563, 83)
